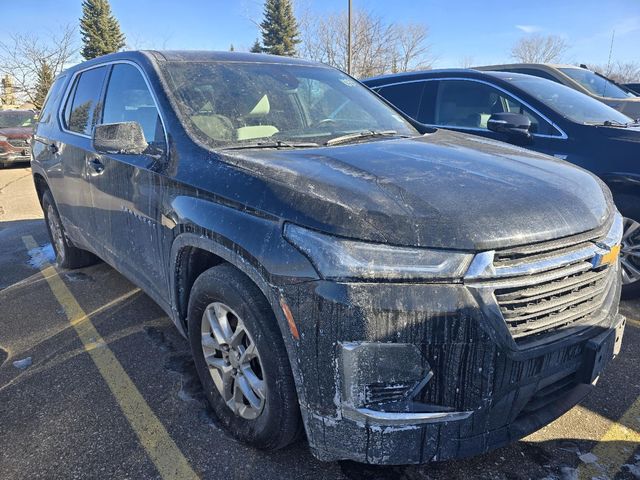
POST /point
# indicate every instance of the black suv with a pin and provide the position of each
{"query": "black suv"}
(538, 114)
(403, 293)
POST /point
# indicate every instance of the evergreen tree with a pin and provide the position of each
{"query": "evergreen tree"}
(279, 28)
(99, 29)
(256, 48)
(43, 83)
(232, 48)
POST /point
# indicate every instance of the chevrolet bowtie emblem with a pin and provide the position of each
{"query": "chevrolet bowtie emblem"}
(608, 258)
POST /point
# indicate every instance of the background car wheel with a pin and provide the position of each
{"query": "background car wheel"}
(241, 359)
(630, 253)
(67, 255)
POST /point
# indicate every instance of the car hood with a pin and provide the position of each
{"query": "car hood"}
(443, 190)
(19, 132)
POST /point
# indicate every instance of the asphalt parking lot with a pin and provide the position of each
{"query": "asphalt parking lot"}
(96, 382)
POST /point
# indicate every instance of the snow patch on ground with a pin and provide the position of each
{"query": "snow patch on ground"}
(39, 257)
(23, 364)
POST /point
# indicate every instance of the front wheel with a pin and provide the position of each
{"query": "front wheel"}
(241, 359)
(629, 206)
(630, 258)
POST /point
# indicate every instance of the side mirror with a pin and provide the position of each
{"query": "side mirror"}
(514, 125)
(124, 138)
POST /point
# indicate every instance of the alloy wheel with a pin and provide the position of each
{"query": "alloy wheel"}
(233, 361)
(630, 252)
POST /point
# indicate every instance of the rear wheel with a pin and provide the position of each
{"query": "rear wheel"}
(67, 255)
(241, 359)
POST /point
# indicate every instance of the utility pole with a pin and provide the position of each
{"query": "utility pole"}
(349, 39)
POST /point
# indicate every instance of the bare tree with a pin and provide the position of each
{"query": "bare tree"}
(377, 46)
(620, 72)
(536, 48)
(412, 48)
(467, 61)
(24, 54)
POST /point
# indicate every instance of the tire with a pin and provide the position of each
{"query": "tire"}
(629, 206)
(67, 254)
(255, 361)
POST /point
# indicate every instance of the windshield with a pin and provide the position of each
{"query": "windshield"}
(595, 83)
(568, 102)
(16, 119)
(235, 103)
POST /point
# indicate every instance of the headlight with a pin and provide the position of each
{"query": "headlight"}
(3, 138)
(340, 259)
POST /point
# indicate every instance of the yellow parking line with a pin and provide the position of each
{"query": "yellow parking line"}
(162, 450)
(618, 443)
(616, 446)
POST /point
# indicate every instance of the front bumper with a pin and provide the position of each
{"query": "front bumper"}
(411, 373)
(18, 156)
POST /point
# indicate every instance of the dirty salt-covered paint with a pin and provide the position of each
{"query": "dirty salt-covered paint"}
(162, 220)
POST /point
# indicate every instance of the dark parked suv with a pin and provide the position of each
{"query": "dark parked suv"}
(399, 293)
(538, 114)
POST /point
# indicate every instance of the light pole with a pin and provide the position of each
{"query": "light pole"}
(349, 39)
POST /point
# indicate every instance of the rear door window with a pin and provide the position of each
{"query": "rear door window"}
(405, 96)
(128, 99)
(83, 107)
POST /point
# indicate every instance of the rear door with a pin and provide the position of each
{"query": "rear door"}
(126, 189)
(466, 105)
(71, 190)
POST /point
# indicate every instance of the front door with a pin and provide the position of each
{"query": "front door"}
(126, 189)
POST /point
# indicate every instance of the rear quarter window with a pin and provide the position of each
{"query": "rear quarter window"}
(52, 99)
(83, 107)
(405, 96)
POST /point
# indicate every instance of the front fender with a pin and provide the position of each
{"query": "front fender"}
(252, 244)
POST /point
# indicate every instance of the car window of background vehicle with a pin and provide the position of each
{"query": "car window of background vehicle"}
(405, 96)
(595, 84)
(568, 102)
(463, 103)
(16, 119)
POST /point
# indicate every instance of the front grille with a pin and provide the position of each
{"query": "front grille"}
(553, 304)
(554, 286)
(18, 142)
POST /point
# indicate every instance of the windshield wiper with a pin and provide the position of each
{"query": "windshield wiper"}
(357, 136)
(276, 144)
(612, 123)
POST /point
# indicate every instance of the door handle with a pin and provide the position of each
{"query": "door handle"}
(97, 165)
(53, 148)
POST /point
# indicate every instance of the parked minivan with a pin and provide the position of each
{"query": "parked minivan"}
(399, 293)
(540, 115)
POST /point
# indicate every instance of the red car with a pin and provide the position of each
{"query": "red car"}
(16, 128)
